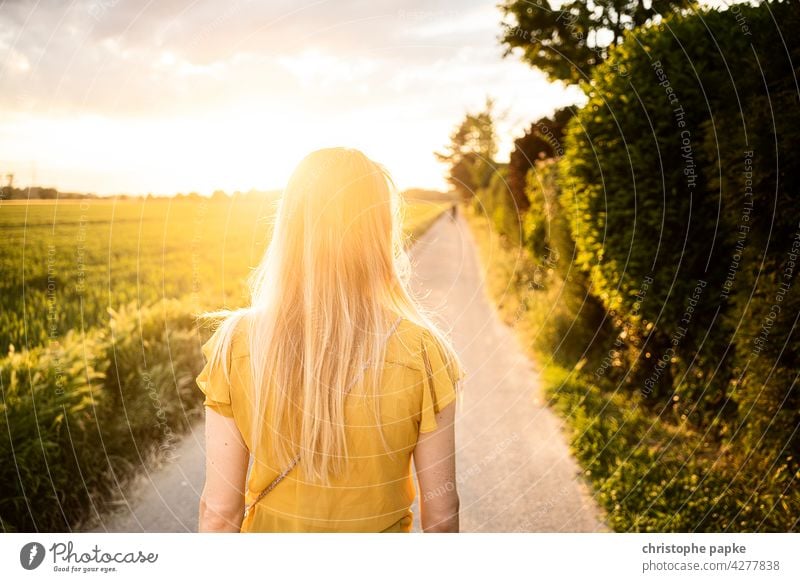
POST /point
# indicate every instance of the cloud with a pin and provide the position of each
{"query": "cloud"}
(105, 54)
(354, 70)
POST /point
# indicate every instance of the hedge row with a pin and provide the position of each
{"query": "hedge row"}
(683, 177)
(659, 263)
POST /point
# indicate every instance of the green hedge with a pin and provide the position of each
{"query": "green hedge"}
(655, 278)
(654, 181)
(651, 473)
(573, 326)
(497, 202)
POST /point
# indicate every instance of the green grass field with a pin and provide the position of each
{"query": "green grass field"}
(65, 264)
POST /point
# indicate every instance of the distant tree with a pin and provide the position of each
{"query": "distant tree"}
(568, 41)
(543, 140)
(44, 193)
(425, 194)
(219, 196)
(8, 189)
(470, 155)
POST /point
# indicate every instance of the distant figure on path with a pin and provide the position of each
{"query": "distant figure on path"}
(333, 376)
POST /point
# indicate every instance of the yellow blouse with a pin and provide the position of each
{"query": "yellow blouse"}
(376, 493)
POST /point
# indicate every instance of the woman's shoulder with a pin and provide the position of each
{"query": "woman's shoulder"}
(240, 336)
(234, 329)
(409, 344)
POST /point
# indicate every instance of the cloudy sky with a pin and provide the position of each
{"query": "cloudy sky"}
(168, 96)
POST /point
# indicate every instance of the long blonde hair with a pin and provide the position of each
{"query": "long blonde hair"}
(331, 283)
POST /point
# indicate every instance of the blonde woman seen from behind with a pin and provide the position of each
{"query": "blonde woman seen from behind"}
(333, 378)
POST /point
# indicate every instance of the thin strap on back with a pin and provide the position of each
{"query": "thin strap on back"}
(282, 475)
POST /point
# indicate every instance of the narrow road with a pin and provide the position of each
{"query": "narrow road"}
(515, 472)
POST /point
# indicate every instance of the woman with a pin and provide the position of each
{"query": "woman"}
(333, 378)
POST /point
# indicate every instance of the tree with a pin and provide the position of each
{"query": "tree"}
(471, 152)
(543, 140)
(566, 43)
(9, 188)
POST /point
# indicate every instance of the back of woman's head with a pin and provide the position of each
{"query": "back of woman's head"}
(337, 233)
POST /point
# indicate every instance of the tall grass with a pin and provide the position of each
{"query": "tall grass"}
(77, 422)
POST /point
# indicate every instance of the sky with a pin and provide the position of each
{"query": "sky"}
(167, 96)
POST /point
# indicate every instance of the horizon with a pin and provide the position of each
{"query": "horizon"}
(412, 192)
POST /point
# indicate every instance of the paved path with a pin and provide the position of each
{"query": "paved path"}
(515, 472)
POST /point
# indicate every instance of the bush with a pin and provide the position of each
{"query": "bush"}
(651, 476)
(77, 421)
(496, 201)
(654, 477)
(51, 398)
(638, 196)
(542, 141)
(679, 184)
(642, 184)
(675, 210)
(575, 325)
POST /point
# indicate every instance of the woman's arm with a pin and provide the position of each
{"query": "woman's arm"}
(227, 457)
(435, 462)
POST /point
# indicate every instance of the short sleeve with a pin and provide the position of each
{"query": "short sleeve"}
(441, 377)
(212, 381)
